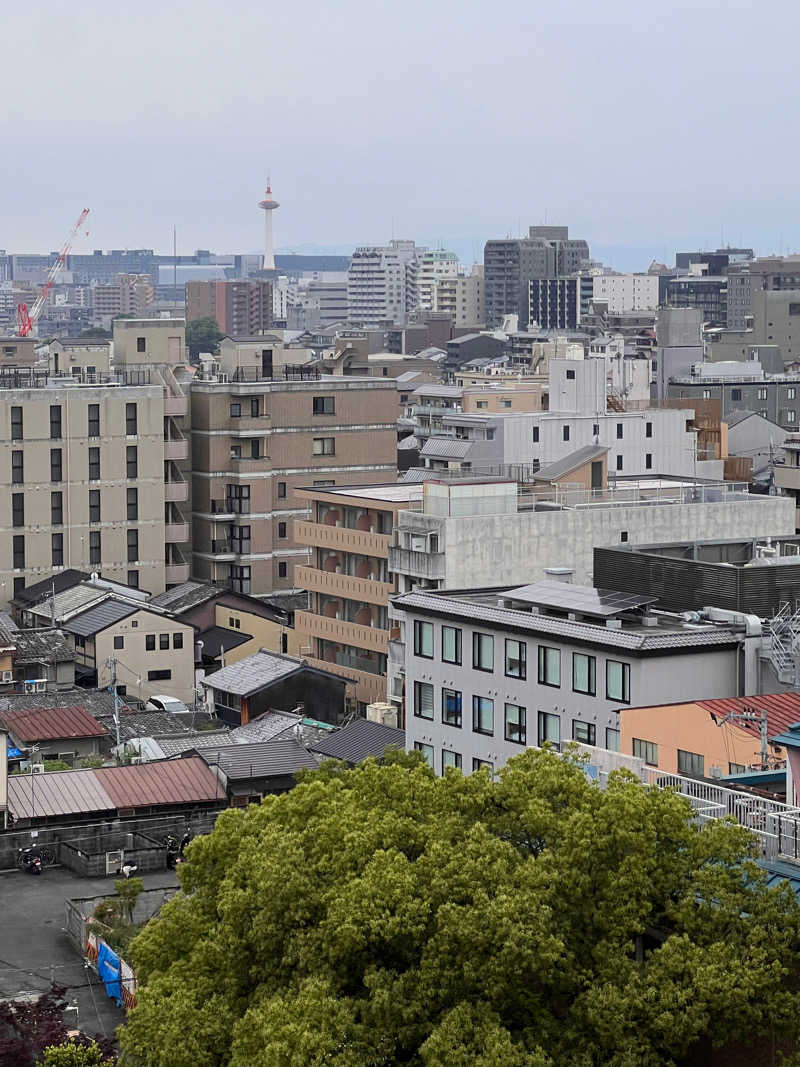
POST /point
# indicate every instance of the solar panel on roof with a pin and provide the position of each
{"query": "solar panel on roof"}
(580, 599)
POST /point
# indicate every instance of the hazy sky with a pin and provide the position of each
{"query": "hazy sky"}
(644, 126)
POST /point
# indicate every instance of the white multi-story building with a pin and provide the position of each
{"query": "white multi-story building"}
(382, 283)
(433, 267)
(626, 292)
(462, 297)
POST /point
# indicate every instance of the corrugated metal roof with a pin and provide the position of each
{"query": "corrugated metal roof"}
(50, 724)
(446, 448)
(184, 781)
(783, 709)
(56, 793)
(253, 673)
(100, 617)
(359, 739)
(68, 603)
(271, 759)
(569, 463)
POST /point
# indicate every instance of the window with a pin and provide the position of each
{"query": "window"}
(159, 676)
(516, 659)
(56, 509)
(131, 420)
(571, 375)
(565, 433)
(618, 681)
(483, 715)
(791, 415)
(505, 403)
(324, 405)
(490, 435)
(451, 645)
(791, 393)
(150, 642)
(515, 720)
(583, 673)
(133, 582)
(619, 463)
(612, 739)
(583, 732)
(253, 407)
(736, 394)
(240, 579)
(131, 461)
(94, 464)
(423, 639)
(691, 763)
(140, 344)
(55, 422)
(282, 570)
(163, 642)
(324, 446)
(482, 652)
(132, 504)
(619, 431)
(17, 509)
(18, 549)
(736, 768)
(177, 640)
(17, 469)
(648, 429)
(119, 641)
(450, 759)
(281, 529)
(281, 490)
(623, 536)
(94, 420)
(133, 546)
(595, 429)
(535, 434)
(284, 643)
(648, 461)
(94, 546)
(426, 750)
(57, 549)
(646, 750)
(451, 707)
(236, 411)
(94, 505)
(549, 666)
(16, 424)
(56, 471)
(482, 765)
(423, 700)
(762, 394)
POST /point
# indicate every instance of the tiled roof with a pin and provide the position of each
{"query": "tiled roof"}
(264, 727)
(253, 673)
(185, 596)
(783, 709)
(269, 760)
(32, 594)
(359, 739)
(41, 646)
(446, 448)
(69, 602)
(49, 724)
(98, 702)
(174, 746)
(100, 617)
(567, 464)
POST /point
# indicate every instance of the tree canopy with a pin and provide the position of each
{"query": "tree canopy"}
(382, 916)
(203, 335)
(94, 331)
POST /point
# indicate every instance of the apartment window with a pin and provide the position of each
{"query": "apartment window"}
(282, 570)
(571, 375)
(16, 424)
(451, 707)
(141, 344)
(19, 585)
(240, 579)
(762, 394)
(324, 446)
(159, 676)
(17, 468)
(236, 410)
(255, 448)
(584, 669)
(450, 759)
(549, 666)
(619, 431)
(426, 750)
(133, 582)
(56, 470)
(150, 642)
(565, 433)
(119, 641)
(94, 464)
(612, 739)
(253, 407)
(177, 640)
(133, 546)
(583, 731)
(618, 681)
(481, 404)
(648, 461)
(482, 765)
(423, 700)
(94, 505)
(324, 405)
(619, 463)
(791, 393)
(423, 639)
(535, 434)
(736, 768)
(281, 530)
(132, 504)
(56, 509)
(505, 403)
(646, 750)
(451, 644)
(18, 549)
(94, 546)
(281, 490)
(17, 509)
(736, 394)
(691, 763)
(131, 420)
(482, 652)
(55, 422)
(648, 429)
(516, 659)
(57, 549)
(94, 420)
(706, 394)
(515, 720)
(131, 461)
(483, 715)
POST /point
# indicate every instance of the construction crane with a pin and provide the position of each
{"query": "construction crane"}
(26, 320)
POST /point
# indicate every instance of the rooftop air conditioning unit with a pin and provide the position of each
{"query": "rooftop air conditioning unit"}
(35, 685)
(37, 768)
(382, 713)
(8, 676)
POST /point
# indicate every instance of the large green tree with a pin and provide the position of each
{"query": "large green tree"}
(383, 916)
(203, 335)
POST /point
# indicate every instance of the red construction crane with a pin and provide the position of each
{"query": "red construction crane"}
(26, 320)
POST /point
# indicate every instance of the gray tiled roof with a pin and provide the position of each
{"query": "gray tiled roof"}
(264, 727)
(41, 646)
(185, 596)
(634, 641)
(446, 448)
(359, 739)
(98, 702)
(69, 602)
(173, 746)
(253, 673)
(569, 463)
(100, 617)
(268, 760)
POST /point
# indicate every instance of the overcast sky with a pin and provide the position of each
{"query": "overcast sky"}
(644, 126)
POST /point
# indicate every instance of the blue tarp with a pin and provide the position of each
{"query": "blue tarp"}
(14, 753)
(109, 970)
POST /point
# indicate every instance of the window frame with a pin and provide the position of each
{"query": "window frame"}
(131, 419)
(521, 725)
(57, 549)
(95, 507)
(478, 638)
(319, 405)
(420, 629)
(522, 659)
(646, 749)
(457, 645)
(626, 681)
(693, 758)
(542, 658)
(478, 702)
(427, 689)
(456, 696)
(456, 762)
(591, 732)
(323, 446)
(591, 691)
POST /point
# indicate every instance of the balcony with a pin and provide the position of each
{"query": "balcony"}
(360, 542)
(175, 492)
(345, 633)
(176, 449)
(176, 573)
(343, 585)
(176, 533)
(176, 406)
(429, 565)
(369, 688)
(787, 477)
(220, 509)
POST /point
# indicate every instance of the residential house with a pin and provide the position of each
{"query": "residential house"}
(66, 733)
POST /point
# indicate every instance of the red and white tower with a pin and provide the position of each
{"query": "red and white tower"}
(268, 205)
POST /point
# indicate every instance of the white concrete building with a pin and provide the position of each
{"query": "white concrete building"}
(462, 297)
(433, 266)
(626, 292)
(382, 283)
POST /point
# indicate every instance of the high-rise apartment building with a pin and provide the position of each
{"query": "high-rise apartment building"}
(461, 297)
(382, 283)
(241, 308)
(433, 267)
(130, 294)
(626, 292)
(258, 435)
(554, 303)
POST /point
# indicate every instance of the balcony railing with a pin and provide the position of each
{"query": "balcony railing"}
(221, 507)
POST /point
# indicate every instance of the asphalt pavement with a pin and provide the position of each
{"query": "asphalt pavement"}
(35, 949)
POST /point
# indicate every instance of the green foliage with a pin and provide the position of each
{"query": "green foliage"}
(382, 916)
(91, 762)
(57, 765)
(128, 890)
(95, 331)
(114, 915)
(203, 335)
(72, 1055)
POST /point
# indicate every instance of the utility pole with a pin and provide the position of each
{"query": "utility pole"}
(111, 663)
(752, 716)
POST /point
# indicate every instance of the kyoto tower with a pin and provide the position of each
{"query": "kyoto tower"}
(268, 205)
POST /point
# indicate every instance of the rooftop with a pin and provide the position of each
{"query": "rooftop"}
(259, 671)
(271, 759)
(51, 724)
(390, 493)
(41, 646)
(581, 456)
(62, 580)
(217, 640)
(264, 727)
(100, 617)
(98, 702)
(359, 739)
(185, 596)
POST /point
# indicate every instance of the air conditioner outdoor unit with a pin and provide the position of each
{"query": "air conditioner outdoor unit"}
(8, 676)
(37, 768)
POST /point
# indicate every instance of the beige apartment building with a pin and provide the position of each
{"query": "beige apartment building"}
(241, 308)
(88, 357)
(131, 294)
(81, 479)
(346, 629)
(257, 440)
